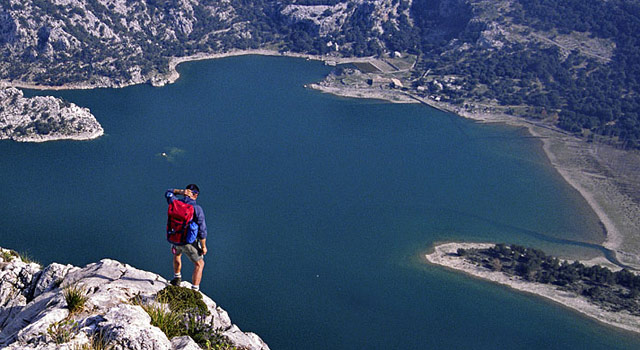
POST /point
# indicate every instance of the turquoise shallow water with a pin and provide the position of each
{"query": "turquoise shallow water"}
(318, 208)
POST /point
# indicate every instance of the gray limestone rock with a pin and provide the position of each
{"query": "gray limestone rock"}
(184, 343)
(129, 327)
(33, 307)
(244, 340)
(33, 319)
(51, 277)
(16, 278)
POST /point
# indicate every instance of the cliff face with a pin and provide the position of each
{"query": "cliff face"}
(44, 118)
(35, 313)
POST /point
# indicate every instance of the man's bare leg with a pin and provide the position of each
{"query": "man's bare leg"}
(177, 266)
(177, 263)
(197, 274)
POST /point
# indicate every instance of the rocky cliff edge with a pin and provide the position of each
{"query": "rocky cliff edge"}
(36, 311)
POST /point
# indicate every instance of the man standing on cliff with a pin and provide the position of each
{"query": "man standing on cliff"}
(197, 250)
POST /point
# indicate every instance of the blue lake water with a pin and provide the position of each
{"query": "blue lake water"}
(319, 208)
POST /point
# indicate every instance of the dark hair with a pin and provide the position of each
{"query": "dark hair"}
(193, 187)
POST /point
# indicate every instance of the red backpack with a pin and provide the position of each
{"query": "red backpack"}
(180, 214)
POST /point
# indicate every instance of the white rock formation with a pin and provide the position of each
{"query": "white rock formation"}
(332, 18)
(32, 300)
(327, 18)
(44, 118)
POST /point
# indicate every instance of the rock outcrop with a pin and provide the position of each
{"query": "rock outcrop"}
(330, 20)
(35, 314)
(43, 118)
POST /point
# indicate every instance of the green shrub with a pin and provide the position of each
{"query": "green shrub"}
(186, 315)
(183, 300)
(205, 334)
(219, 344)
(62, 331)
(75, 297)
(170, 323)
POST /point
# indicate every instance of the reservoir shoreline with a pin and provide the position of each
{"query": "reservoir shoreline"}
(582, 165)
(445, 254)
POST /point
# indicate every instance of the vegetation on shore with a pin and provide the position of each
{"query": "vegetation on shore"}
(612, 291)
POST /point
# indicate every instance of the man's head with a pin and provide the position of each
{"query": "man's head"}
(193, 188)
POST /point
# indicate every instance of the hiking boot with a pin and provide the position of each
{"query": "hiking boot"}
(176, 281)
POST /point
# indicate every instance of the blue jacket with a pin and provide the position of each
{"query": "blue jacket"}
(198, 213)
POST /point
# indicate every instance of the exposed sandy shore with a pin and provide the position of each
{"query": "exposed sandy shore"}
(84, 136)
(445, 255)
(174, 62)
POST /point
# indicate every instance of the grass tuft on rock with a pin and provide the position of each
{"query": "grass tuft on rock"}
(27, 258)
(97, 341)
(63, 331)
(76, 297)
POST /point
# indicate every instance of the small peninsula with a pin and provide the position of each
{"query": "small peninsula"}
(107, 305)
(41, 118)
(595, 291)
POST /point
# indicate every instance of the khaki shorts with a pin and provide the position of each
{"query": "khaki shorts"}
(192, 251)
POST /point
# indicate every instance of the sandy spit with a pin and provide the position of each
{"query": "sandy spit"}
(445, 255)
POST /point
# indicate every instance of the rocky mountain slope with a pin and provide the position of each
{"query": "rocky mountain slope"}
(39, 309)
(97, 43)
